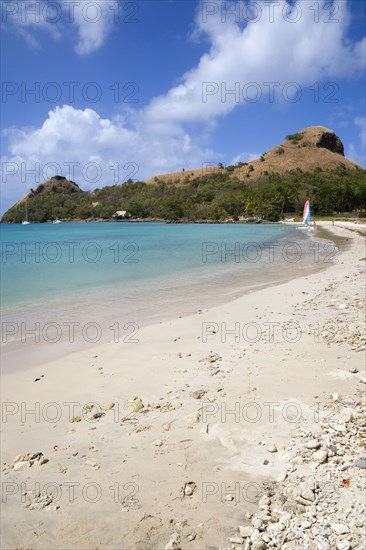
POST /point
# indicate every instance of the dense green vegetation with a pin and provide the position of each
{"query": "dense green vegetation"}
(210, 197)
(295, 138)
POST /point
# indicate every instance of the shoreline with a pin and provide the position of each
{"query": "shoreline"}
(225, 293)
(169, 459)
(228, 221)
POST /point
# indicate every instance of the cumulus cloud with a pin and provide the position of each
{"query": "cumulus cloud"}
(94, 151)
(258, 60)
(92, 21)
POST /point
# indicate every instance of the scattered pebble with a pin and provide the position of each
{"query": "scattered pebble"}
(361, 463)
(189, 488)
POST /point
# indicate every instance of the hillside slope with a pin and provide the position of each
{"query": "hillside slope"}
(310, 148)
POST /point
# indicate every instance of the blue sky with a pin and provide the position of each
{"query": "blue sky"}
(133, 89)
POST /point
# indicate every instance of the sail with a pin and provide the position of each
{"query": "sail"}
(306, 215)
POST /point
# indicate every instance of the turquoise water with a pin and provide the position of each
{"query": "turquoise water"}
(43, 262)
(128, 275)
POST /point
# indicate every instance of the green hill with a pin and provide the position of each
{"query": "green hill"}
(309, 163)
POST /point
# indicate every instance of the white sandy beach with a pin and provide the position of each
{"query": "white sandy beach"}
(213, 405)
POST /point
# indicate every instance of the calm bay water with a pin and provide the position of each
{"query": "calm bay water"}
(133, 274)
(44, 263)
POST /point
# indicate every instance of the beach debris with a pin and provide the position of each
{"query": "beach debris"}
(157, 443)
(174, 542)
(27, 460)
(142, 428)
(214, 369)
(107, 407)
(40, 501)
(21, 465)
(353, 370)
(192, 536)
(75, 419)
(272, 448)
(94, 356)
(188, 489)
(235, 540)
(98, 415)
(320, 456)
(164, 407)
(312, 444)
(36, 456)
(346, 483)
(134, 405)
(62, 469)
(281, 477)
(92, 464)
(198, 394)
(212, 358)
(167, 426)
(315, 510)
(246, 531)
(180, 371)
(193, 418)
(347, 415)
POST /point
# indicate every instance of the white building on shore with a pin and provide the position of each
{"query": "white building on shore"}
(120, 214)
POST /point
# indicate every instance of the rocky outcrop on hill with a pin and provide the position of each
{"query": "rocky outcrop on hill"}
(329, 140)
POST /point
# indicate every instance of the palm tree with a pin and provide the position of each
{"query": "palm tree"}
(287, 195)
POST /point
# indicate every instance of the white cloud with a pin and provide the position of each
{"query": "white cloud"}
(361, 122)
(245, 157)
(244, 56)
(353, 151)
(94, 151)
(92, 21)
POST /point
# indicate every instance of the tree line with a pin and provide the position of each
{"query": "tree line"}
(211, 197)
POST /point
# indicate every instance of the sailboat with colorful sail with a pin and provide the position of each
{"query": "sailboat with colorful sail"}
(306, 215)
(306, 218)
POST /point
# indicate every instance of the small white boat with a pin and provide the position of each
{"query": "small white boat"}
(57, 221)
(26, 221)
